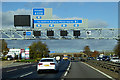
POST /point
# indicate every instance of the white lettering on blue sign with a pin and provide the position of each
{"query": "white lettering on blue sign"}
(57, 21)
(76, 25)
(38, 11)
(63, 25)
(38, 17)
(38, 25)
(51, 25)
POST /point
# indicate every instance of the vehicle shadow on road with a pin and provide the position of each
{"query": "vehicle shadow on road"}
(48, 72)
(74, 61)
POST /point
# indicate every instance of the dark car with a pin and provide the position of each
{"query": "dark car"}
(106, 58)
(99, 59)
(9, 57)
(72, 58)
(90, 58)
(81, 59)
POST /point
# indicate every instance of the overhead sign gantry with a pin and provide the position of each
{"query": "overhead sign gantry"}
(44, 26)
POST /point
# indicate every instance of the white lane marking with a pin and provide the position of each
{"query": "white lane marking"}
(11, 70)
(65, 73)
(26, 67)
(62, 79)
(26, 74)
(99, 71)
(67, 69)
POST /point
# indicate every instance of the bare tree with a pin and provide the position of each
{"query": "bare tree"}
(87, 50)
(117, 48)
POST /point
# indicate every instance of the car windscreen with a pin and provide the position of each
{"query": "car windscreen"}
(46, 60)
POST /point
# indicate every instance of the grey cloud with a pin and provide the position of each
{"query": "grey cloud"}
(67, 45)
(8, 17)
(97, 24)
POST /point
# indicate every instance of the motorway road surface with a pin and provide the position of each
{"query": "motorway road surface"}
(31, 73)
(79, 70)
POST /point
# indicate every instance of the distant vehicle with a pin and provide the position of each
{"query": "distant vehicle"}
(47, 64)
(14, 52)
(81, 59)
(115, 59)
(9, 57)
(72, 58)
(58, 58)
(90, 58)
(65, 57)
(99, 59)
(106, 58)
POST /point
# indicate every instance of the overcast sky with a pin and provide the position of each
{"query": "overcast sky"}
(99, 14)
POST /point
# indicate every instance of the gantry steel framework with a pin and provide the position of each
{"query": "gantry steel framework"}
(96, 33)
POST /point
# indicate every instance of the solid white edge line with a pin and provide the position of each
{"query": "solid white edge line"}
(26, 74)
(11, 70)
(99, 71)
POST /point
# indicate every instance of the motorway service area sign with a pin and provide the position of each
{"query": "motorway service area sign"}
(42, 19)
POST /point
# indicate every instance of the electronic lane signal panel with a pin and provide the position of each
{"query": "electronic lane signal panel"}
(42, 19)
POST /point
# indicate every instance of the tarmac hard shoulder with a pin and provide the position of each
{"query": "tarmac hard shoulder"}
(12, 63)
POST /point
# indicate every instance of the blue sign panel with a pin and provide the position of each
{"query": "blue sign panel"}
(57, 21)
(38, 17)
(26, 49)
(51, 25)
(38, 11)
(28, 33)
(63, 25)
(76, 25)
(52, 51)
(38, 25)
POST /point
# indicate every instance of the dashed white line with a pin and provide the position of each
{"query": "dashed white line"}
(11, 70)
(26, 74)
(67, 69)
(99, 71)
(65, 73)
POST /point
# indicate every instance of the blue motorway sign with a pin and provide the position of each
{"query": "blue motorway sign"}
(51, 25)
(38, 17)
(57, 21)
(38, 11)
(63, 25)
(26, 49)
(76, 25)
(38, 25)
(52, 51)
(28, 33)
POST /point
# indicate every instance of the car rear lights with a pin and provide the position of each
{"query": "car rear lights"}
(40, 64)
(52, 63)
